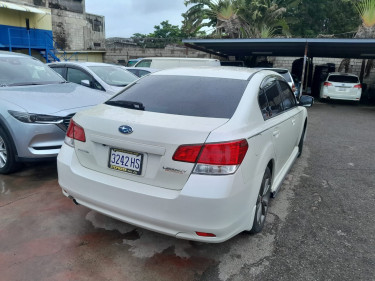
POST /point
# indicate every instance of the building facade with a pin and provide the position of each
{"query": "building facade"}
(52, 29)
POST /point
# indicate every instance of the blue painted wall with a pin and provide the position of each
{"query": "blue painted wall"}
(19, 37)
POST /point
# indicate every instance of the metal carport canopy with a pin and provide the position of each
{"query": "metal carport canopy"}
(286, 47)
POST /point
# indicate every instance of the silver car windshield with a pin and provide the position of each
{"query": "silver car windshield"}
(114, 75)
(23, 71)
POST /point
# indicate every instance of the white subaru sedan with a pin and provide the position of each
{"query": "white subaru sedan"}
(341, 86)
(195, 153)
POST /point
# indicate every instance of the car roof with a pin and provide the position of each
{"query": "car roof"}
(177, 58)
(282, 70)
(83, 63)
(239, 73)
(141, 68)
(342, 74)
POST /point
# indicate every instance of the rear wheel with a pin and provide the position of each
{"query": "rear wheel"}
(8, 162)
(262, 203)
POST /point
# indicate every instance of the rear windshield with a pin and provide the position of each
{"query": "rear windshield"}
(186, 95)
(343, 79)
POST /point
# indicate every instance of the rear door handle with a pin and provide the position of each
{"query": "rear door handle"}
(293, 121)
(276, 133)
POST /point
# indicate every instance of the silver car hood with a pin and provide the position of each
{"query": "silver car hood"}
(53, 99)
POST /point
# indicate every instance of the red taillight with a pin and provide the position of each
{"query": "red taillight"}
(359, 86)
(326, 84)
(294, 88)
(76, 132)
(205, 234)
(187, 153)
(227, 153)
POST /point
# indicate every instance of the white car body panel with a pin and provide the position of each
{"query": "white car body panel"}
(176, 201)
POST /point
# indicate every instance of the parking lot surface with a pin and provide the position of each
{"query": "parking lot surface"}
(319, 227)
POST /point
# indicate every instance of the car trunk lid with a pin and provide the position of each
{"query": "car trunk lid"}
(148, 149)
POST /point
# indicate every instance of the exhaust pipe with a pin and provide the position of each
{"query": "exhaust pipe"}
(74, 200)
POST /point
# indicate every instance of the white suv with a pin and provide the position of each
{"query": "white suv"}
(341, 86)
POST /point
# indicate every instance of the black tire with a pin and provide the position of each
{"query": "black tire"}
(262, 203)
(300, 144)
(8, 162)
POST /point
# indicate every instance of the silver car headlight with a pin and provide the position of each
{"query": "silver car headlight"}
(36, 118)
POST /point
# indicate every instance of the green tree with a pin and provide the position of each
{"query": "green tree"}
(321, 17)
(163, 34)
(238, 18)
(366, 11)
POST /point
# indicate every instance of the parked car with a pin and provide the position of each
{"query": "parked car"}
(164, 62)
(36, 105)
(132, 62)
(140, 71)
(99, 76)
(341, 86)
(287, 76)
(195, 153)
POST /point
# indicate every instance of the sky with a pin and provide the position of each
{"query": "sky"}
(123, 18)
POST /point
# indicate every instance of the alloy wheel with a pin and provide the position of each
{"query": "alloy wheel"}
(262, 202)
(3, 153)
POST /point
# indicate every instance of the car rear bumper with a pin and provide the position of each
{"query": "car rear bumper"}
(330, 94)
(219, 205)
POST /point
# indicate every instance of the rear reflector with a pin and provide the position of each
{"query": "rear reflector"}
(226, 153)
(76, 132)
(359, 86)
(204, 234)
(326, 84)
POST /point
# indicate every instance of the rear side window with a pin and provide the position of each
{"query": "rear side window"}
(289, 100)
(274, 98)
(186, 95)
(343, 79)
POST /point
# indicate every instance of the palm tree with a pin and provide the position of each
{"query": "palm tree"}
(366, 10)
(265, 19)
(236, 18)
(220, 14)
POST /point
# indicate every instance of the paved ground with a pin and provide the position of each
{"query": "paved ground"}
(320, 227)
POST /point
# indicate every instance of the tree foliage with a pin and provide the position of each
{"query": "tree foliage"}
(163, 34)
(312, 18)
(237, 18)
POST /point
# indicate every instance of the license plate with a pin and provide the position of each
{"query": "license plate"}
(125, 161)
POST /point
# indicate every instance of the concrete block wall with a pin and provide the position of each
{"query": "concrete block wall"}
(286, 62)
(117, 53)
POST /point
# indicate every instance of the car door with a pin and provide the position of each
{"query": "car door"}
(278, 121)
(294, 113)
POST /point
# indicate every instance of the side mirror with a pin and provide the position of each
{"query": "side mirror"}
(85, 83)
(306, 101)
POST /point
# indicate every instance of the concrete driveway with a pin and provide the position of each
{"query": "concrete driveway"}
(320, 226)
